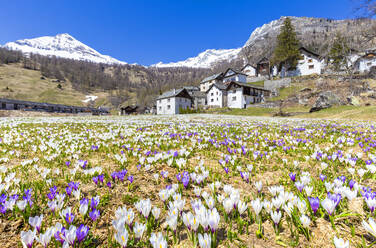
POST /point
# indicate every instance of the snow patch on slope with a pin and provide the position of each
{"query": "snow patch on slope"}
(206, 59)
(61, 45)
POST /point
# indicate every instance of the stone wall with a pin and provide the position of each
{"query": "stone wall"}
(275, 85)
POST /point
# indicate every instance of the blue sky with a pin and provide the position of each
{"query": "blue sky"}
(147, 32)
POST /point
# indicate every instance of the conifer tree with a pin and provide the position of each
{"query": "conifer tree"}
(339, 52)
(287, 52)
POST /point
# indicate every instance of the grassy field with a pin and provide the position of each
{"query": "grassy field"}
(186, 181)
(337, 112)
(22, 84)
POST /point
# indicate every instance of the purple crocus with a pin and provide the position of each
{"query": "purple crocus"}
(68, 190)
(67, 163)
(109, 185)
(351, 184)
(94, 202)
(335, 197)
(60, 236)
(94, 215)
(178, 176)
(130, 179)
(292, 176)
(315, 203)
(69, 217)
(322, 177)
(299, 186)
(101, 178)
(226, 170)
(95, 180)
(185, 181)
(82, 232)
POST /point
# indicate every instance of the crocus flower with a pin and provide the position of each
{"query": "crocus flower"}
(36, 222)
(226, 170)
(94, 202)
(69, 217)
(292, 176)
(130, 179)
(95, 180)
(204, 240)
(94, 215)
(329, 205)
(370, 226)
(81, 233)
(340, 243)
(315, 203)
(299, 186)
(122, 237)
(27, 238)
(70, 235)
(257, 206)
(322, 177)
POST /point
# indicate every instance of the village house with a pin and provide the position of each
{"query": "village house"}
(263, 68)
(240, 95)
(208, 81)
(171, 102)
(232, 75)
(217, 95)
(365, 62)
(308, 64)
(249, 70)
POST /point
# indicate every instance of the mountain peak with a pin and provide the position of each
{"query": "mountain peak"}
(205, 59)
(62, 45)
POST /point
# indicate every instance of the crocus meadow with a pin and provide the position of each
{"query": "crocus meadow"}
(187, 181)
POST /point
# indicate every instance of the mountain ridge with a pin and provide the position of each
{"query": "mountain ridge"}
(62, 45)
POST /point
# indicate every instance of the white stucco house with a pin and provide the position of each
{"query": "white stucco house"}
(240, 95)
(231, 75)
(365, 62)
(170, 102)
(309, 63)
(209, 81)
(249, 70)
(217, 95)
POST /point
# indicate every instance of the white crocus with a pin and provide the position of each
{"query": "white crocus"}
(257, 206)
(204, 240)
(122, 237)
(340, 243)
(370, 226)
(304, 219)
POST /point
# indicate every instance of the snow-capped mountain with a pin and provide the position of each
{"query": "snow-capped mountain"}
(206, 59)
(61, 45)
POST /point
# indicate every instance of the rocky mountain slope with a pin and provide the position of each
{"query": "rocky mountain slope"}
(314, 33)
(61, 45)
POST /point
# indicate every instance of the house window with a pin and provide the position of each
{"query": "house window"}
(369, 64)
(212, 100)
(234, 98)
(168, 106)
(168, 100)
(234, 91)
(217, 93)
(309, 60)
(311, 67)
(217, 98)
(212, 94)
(160, 108)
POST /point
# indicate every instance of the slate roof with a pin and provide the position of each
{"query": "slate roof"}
(249, 86)
(220, 86)
(236, 72)
(215, 76)
(172, 93)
